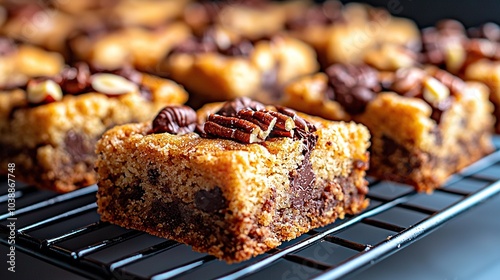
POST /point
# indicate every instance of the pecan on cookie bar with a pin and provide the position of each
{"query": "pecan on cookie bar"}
(236, 184)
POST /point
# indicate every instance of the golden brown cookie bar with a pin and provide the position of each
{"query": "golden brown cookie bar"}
(132, 45)
(49, 130)
(253, 20)
(231, 190)
(473, 55)
(35, 23)
(19, 62)
(425, 124)
(221, 66)
(343, 34)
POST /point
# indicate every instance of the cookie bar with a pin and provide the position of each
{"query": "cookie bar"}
(237, 185)
(50, 129)
(19, 62)
(35, 23)
(425, 124)
(253, 20)
(473, 55)
(139, 46)
(344, 33)
(222, 66)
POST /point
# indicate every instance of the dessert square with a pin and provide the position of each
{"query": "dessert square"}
(344, 33)
(221, 65)
(473, 54)
(234, 184)
(19, 62)
(49, 129)
(425, 124)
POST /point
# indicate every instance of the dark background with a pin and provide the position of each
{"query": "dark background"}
(428, 12)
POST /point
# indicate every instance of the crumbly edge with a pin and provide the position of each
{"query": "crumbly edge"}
(154, 184)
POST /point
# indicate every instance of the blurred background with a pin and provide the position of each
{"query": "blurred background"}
(428, 12)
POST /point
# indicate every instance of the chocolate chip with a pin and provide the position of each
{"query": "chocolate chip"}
(242, 48)
(146, 92)
(175, 120)
(77, 146)
(353, 86)
(74, 80)
(231, 108)
(129, 194)
(153, 176)
(210, 201)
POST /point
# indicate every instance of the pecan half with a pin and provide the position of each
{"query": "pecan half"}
(175, 120)
(300, 123)
(263, 119)
(233, 128)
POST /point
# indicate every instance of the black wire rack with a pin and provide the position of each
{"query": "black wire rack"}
(65, 230)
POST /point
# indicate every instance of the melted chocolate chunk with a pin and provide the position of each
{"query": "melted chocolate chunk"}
(175, 120)
(76, 146)
(303, 179)
(74, 80)
(231, 108)
(210, 201)
(353, 86)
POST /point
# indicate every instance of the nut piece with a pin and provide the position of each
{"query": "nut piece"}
(434, 91)
(42, 92)
(111, 84)
(233, 128)
(300, 123)
(261, 118)
(175, 120)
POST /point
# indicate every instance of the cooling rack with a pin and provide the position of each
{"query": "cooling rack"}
(65, 230)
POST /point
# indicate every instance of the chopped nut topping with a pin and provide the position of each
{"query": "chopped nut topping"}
(434, 91)
(252, 125)
(175, 120)
(42, 92)
(263, 119)
(233, 128)
(300, 123)
(111, 84)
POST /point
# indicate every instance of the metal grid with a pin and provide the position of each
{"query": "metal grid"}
(65, 230)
